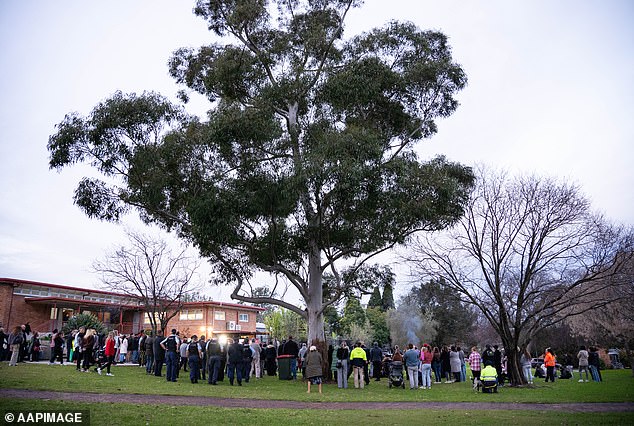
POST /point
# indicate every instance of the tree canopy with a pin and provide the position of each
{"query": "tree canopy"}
(529, 253)
(306, 158)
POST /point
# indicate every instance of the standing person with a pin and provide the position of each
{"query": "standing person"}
(454, 362)
(270, 355)
(58, 347)
(142, 339)
(550, 362)
(594, 364)
(35, 347)
(487, 356)
(475, 363)
(4, 344)
(376, 357)
(109, 352)
(134, 349)
(183, 357)
(234, 362)
(358, 360)
(123, 349)
(86, 349)
(193, 358)
(117, 345)
(411, 362)
(170, 345)
(247, 358)
(436, 364)
(303, 351)
(525, 363)
(149, 353)
(497, 363)
(313, 368)
(291, 348)
(15, 342)
(255, 364)
(582, 356)
(426, 358)
(343, 355)
(78, 344)
(446, 364)
(463, 365)
(159, 353)
(214, 360)
(202, 348)
(331, 355)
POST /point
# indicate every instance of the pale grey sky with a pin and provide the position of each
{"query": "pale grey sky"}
(551, 90)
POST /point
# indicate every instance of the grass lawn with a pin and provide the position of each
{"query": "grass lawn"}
(132, 414)
(618, 386)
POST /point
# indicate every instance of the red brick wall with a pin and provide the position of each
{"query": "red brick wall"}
(19, 312)
(198, 327)
(6, 290)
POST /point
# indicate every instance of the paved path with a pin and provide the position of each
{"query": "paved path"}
(265, 403)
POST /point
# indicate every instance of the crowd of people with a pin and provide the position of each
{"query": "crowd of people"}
(240, 360)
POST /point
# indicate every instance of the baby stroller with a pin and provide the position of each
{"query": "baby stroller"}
(396, 375)
(100, 358)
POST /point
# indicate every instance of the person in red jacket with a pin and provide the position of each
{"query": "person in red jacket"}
(109, 352)
(550, 362)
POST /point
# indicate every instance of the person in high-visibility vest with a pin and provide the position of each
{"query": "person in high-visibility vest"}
(550, 362)
(489, 378)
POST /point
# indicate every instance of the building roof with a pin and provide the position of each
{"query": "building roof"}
(63, 301)
(14, 281)
(88, 291)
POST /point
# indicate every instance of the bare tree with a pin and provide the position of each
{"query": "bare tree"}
(526, 252)
(147, 269)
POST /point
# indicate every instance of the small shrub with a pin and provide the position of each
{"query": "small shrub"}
(84, 320)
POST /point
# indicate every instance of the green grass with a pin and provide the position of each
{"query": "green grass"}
(617, 387)
(134, 414)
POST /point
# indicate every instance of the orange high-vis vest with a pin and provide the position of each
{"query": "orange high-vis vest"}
(549, 360)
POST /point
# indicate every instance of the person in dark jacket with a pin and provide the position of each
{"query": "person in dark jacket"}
(291, 348)
(497, 362)
(234, 362)
(171, 344)
(376, 358)
(193, 359)
(214, 361)
(202, 347)
(594, 364)
(270, 364)
(488, 356)
(445, 361)
(58, 348)
(159, 354)
(247, 357)
(4, 344)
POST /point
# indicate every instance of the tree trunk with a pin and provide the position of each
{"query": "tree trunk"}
(514, 373)
(513, 368)
(314, 303)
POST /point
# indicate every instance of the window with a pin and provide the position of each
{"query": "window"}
(219, 315)
(191, 314)
(67, 314)
(148, 317)
(243, 317)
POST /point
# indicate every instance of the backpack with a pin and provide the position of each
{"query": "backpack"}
(246, 352)
(192, 349)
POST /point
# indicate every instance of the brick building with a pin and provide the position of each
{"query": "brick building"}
(48, 306)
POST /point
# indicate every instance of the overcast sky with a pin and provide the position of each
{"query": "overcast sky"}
(551, 91)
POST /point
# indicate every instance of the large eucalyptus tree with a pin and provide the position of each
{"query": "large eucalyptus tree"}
(306, 157)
